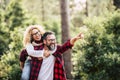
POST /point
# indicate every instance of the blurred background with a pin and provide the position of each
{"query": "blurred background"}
(96, 57)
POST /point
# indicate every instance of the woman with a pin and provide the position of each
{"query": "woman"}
(32, 37)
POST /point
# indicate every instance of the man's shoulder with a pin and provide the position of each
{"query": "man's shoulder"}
(59, 45)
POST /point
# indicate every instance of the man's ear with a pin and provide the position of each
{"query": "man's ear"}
(44, 41)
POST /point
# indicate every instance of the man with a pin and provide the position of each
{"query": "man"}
(51, 67)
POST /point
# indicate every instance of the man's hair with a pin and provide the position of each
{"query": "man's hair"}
(46, 34)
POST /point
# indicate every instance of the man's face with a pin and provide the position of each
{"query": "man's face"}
(50, 41)
(36, 35)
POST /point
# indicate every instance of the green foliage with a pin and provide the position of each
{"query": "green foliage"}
(12, 25)
(3, 40)
(100, 58)
(43, 10)
(9, 68)
(12, 16)
(113, 24)
(95, 58)
(16, 36)
(9, 61)
(54, 26)
(15, 15)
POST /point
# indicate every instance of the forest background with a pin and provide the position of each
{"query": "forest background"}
(97, 57)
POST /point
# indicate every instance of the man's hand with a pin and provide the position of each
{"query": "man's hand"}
(40, 58)
(79, 36)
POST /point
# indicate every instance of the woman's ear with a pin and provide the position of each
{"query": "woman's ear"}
(31, 39)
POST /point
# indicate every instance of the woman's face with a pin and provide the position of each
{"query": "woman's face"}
(36, 35)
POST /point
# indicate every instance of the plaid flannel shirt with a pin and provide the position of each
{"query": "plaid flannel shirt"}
(35, 63)
(59, 72)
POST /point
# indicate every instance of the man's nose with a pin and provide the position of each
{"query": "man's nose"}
(52, 41)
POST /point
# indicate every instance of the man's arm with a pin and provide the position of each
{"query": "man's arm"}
(69, 44)
(79, 36)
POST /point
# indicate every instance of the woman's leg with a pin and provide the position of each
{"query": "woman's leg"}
(26, 70)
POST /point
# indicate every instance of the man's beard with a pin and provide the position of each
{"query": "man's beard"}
(51, 47)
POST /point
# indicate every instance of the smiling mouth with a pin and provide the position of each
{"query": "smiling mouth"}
(52, 47)
(38, 37)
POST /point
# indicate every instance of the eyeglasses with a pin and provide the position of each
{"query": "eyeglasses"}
(51, 40)
(38, 32)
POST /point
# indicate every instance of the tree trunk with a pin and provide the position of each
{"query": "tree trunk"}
(116, 4)
(86, 9)
(66, 36)
(43, 11)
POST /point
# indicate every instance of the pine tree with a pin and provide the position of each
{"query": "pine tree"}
(3, 30)
(15, 15)
(15, 21)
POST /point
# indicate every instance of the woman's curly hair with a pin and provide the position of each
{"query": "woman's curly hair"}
(27, 35)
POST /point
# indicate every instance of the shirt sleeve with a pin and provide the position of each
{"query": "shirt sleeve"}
(32, 52)
(67, 45)
(23, 55)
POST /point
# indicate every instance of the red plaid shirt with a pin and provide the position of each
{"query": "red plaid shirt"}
(59, 72)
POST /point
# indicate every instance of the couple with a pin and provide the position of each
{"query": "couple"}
(42, 58)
